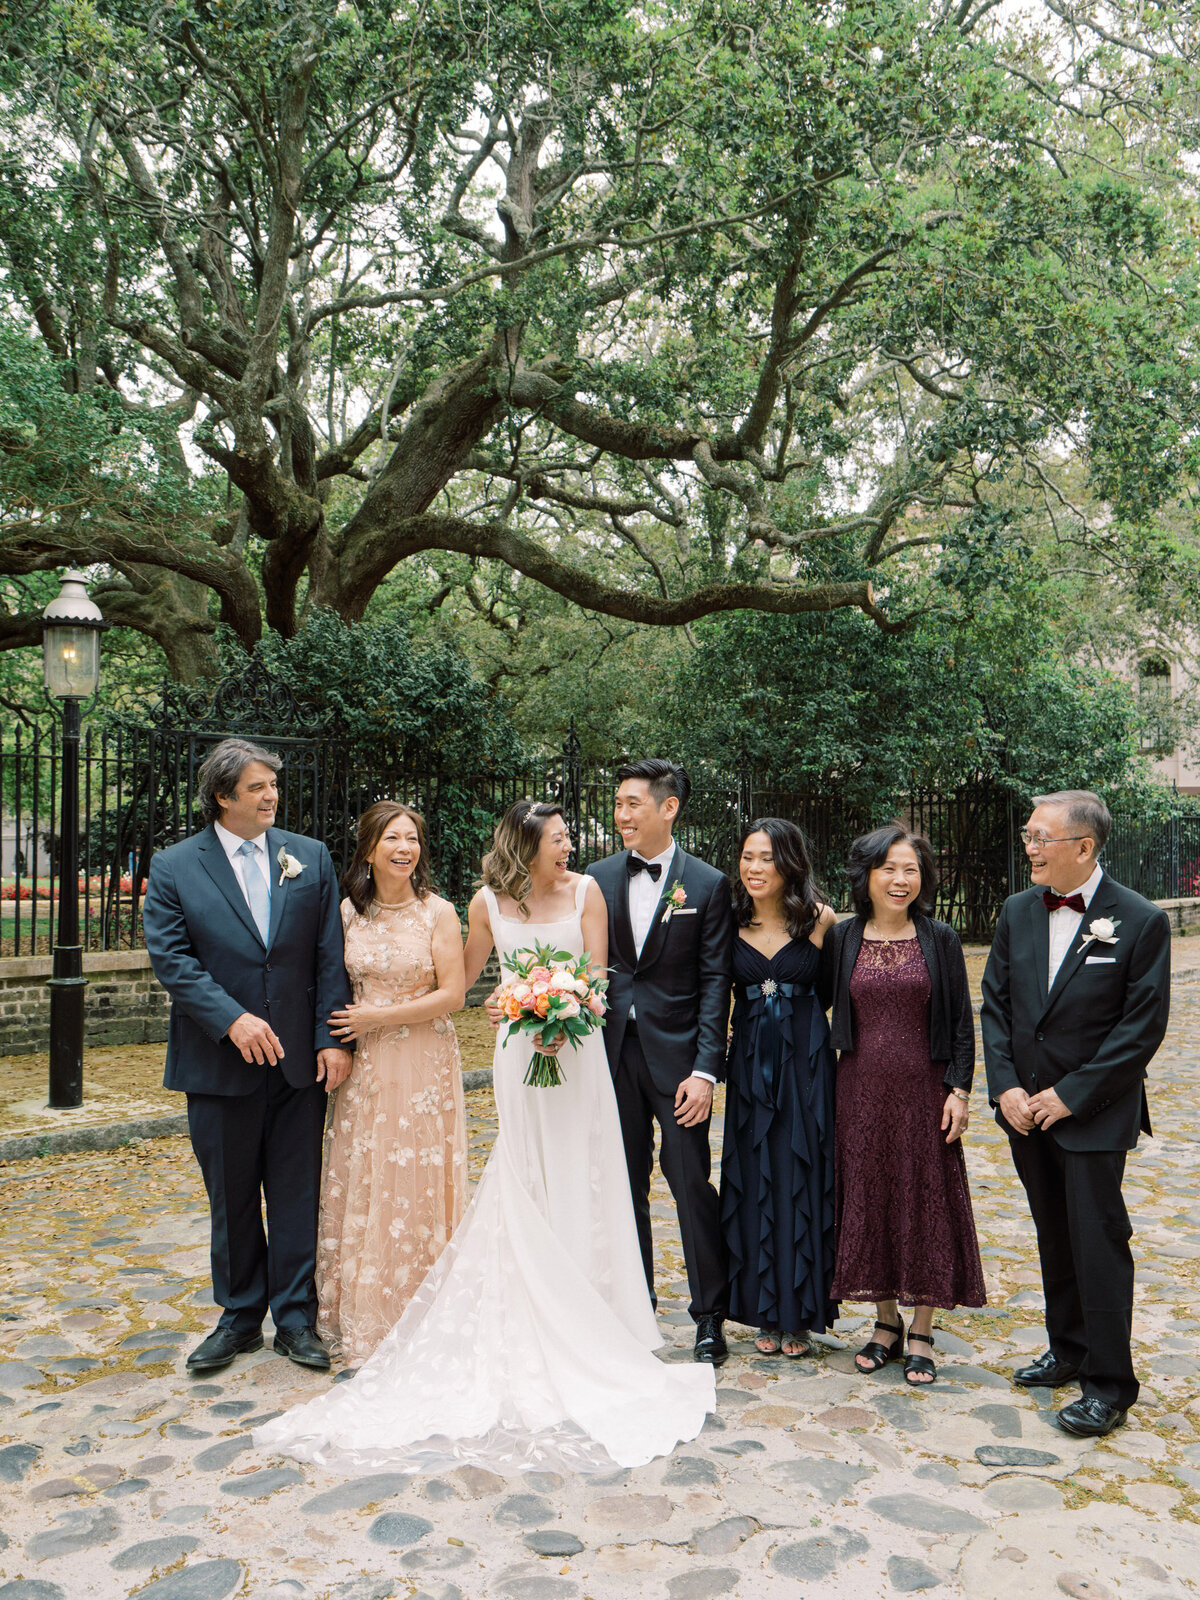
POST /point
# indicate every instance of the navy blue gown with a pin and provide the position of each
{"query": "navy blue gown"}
(777, 1190)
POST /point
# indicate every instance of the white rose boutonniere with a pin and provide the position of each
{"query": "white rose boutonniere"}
(288, 866)
(1103, 930)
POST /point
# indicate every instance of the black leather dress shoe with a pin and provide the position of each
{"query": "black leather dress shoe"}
(302, 1346)
(219, 1349)
(710, 1341)
(1046, 1372)
(1090, 1418)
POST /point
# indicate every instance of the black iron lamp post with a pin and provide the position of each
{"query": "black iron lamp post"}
(71, 627)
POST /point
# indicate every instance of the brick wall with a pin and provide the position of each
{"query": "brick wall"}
(123, 1003)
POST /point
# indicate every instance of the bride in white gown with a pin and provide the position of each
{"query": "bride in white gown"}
(529, 1344)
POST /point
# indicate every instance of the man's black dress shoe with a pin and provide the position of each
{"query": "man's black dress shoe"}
(710, 1341)
(1046, 1372)
(219, 1349)
(302, 1346)
(1090, 1418)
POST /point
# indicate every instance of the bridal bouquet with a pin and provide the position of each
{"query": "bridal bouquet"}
(550, 992)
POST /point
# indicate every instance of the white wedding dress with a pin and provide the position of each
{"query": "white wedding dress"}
(529, 1343)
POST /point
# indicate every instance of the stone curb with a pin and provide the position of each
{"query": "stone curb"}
(105, 1136)
(112, 1135)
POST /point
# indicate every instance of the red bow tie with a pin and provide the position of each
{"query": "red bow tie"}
(1054, 902)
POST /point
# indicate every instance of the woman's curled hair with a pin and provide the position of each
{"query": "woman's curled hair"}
(505, 868)
(802, 900)
(358, 881)
(871, 851)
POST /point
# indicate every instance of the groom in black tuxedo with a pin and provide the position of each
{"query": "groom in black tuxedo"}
(1075, 1000)
(670, 933)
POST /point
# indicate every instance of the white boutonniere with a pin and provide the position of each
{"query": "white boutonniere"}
(674, 897)
(1103, 931)
(288, 866)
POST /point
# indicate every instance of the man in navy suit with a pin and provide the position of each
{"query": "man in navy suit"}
(1075, 1002)
(244, 932)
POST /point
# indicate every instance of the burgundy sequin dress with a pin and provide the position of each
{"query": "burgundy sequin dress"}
(904, 1223)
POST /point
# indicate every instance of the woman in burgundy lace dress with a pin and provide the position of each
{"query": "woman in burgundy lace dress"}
(902, 1021)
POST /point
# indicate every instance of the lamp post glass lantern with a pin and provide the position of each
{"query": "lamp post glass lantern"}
(71, 627)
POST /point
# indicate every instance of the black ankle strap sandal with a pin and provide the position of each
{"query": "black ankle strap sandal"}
(919, 1364)
(880, 1354)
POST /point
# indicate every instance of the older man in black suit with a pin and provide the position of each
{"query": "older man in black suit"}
(244, 933)
(1075, 1001)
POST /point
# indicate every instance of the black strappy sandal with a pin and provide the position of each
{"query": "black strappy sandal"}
(880, 1354)
(920, 1364)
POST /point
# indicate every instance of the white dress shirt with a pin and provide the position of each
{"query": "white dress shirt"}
(645, 894)
(1064, 923)
(232, 844)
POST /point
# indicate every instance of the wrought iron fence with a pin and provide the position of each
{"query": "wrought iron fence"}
(138, 795)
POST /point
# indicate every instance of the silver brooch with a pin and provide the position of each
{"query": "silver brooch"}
(769, 988)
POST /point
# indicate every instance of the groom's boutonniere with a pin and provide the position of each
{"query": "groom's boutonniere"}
(675, 897)
(1103, 930)
(288, 866)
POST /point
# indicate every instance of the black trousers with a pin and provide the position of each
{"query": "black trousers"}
(686, 1163)
(249, 1146)
(1083, 1233)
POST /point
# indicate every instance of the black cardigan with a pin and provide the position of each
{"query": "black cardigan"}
(951, 1025)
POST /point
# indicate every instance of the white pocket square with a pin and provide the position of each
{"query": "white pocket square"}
(685, 911)
(1099, 961)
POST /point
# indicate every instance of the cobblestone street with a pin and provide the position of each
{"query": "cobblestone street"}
(121, 1477)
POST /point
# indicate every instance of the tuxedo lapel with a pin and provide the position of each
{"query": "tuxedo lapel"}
(622, 927)
(279, 884)
(656, 938)
(1104, 901)
(217, 864)
(1039, 920)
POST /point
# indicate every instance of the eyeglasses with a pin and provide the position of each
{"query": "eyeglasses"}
(1040, 839)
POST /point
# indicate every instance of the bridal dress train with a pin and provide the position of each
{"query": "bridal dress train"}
(529, 1344)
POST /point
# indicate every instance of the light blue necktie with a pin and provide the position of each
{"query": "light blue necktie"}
(257, 893)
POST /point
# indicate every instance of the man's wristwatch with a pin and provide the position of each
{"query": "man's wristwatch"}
(961, 1093)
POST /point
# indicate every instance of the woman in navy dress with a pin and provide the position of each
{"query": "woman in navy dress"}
(777, 1193)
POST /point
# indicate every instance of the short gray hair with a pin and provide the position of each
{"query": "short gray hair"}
(1084, 810)
(222, 770)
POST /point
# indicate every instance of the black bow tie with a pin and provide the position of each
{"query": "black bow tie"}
(635, 864)
(1054, 902)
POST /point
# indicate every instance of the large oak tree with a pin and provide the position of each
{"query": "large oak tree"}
(674, 309)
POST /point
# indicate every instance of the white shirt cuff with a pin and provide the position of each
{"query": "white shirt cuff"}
(707, 1076)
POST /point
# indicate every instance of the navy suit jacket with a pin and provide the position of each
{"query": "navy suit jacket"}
(679, 984)
(209, 956)
(1093, 1034)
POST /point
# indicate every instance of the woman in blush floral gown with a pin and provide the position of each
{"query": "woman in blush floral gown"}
(395, 1179)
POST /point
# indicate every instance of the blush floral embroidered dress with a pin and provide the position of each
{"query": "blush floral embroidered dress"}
(395, 1174)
